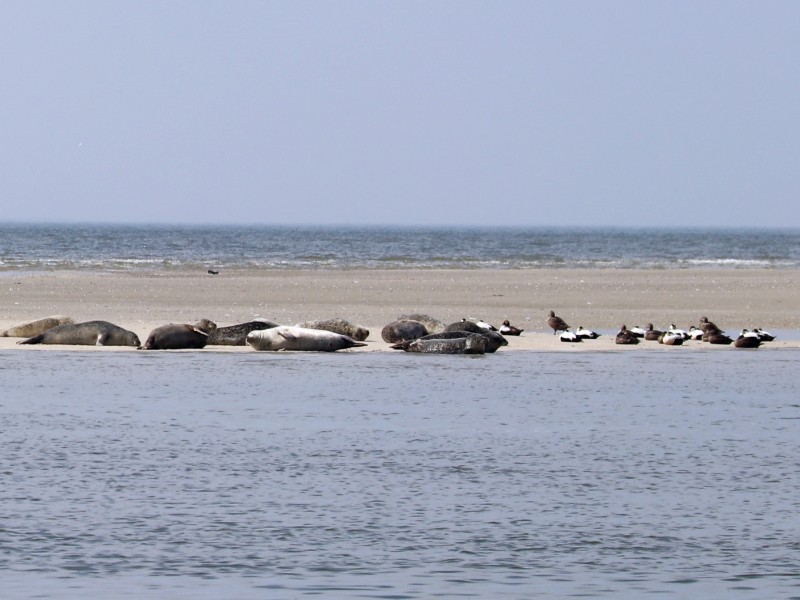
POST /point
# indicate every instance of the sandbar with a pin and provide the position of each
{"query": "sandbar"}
(601, 299)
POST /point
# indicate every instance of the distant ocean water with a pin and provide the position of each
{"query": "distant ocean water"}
(159, 247)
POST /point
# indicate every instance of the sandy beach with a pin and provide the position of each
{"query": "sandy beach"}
(597, 299)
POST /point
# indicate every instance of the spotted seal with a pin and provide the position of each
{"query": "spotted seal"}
(494, 339)
(432, 324)
(176, 336)
(340, 326)
(472, 343)
(287, 337)
(402, 330)
(89, 333)
(236, 335)
(33, 328)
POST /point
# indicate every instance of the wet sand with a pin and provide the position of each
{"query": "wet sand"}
(596, 299)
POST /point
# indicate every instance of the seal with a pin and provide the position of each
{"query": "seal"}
(432, 324)
(472, 343)
(33, 328)
(494, 340)
(286, 337)
(89, 333)
(403, 330)
(340, 326)
(236, 335)
(178, 336)
(464, 325)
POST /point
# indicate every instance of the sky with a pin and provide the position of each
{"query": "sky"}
(522, 113)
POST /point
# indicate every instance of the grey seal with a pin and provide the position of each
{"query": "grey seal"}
(464, 325)
(403, 330)
(340, 326)
(494, 339)
(32, 328)
(432, 324)
(236, 335)
(89, 333)
(287, 337)
(178, 336)
(473, 343)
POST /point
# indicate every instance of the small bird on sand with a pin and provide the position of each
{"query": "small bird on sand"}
(508, 329)
(556, 323)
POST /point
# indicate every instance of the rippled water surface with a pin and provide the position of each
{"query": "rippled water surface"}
(154, 247)
(378, 475)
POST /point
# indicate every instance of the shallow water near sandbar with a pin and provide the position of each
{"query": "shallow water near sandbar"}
(381, 475)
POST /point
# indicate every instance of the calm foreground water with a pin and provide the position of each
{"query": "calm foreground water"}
(128, 247)
(514, 475)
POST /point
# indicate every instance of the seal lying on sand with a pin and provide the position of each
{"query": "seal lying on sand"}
(90, 333)
(472, 343)
(32, 328)
(177, 336)
(339, 326)
(400, 331)
(287, 337)
(236, 335)
(431, 324)
(494, 339)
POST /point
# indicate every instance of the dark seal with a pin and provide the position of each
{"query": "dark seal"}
(179, 336)
(236, 335)
(403, 330)
(89, 333)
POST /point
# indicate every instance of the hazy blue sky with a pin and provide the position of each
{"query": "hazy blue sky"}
(529, 113)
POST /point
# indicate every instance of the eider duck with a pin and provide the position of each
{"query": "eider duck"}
(638, 331)
(586, 334)
(556, 323)
(569, 336)
(669, 338)
(508, 329)
(650, 334)
(708, 327)
(764, 336)
(624, 336)
(747, 339)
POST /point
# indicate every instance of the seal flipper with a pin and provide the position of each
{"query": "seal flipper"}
(37, 339)
(101, 338)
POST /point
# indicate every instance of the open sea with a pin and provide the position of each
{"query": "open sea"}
(217, 475)
(142, 247)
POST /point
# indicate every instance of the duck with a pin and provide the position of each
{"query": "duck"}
(708, 327)
(624, 336)
(652, 335)
(637, 331)
(764, 336)
(717, 338)
(508, 329)
(695, 333)
(747, 339)
(569, 336)
(681, 332)
(669, 338)
(483, 324)
(556, 323)
(586, 334)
